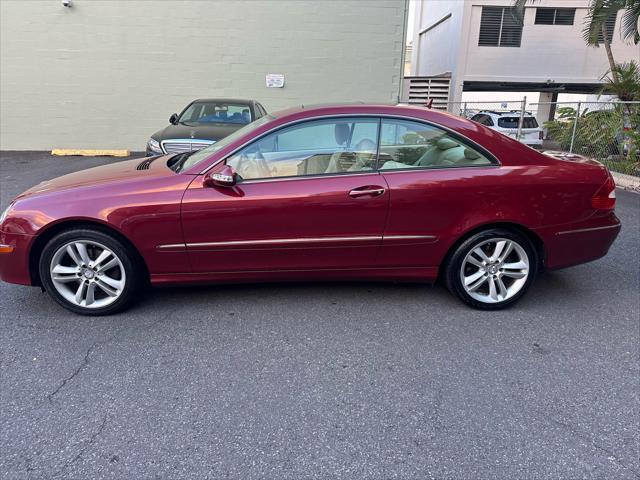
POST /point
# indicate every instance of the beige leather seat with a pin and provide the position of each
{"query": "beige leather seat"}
(364, 152)
(341, 132)
(472, 158)
(249, 168)
(444, 152)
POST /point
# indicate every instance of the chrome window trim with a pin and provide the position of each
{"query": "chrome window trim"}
(450, 167)
(592, 229)
(381, 117)
(286, 241)
(307, 177)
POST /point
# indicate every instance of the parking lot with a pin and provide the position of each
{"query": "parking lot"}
(319, 380)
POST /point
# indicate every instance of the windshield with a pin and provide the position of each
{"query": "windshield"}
(216, 112)
(197, 157)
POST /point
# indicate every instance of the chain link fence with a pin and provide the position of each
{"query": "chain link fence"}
(605, 131)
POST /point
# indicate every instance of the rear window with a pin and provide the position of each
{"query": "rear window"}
(512, 122)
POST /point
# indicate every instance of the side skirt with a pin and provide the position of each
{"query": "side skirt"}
(416, 274)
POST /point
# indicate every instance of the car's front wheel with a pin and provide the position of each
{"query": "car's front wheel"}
(492, 269)
(89, 272)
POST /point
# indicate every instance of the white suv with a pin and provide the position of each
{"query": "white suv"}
(507, 124)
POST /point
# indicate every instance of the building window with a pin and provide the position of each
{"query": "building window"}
(500, 27)
(610, 27)
(555, 16)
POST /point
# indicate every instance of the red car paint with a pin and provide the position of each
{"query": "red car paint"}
(311, 228)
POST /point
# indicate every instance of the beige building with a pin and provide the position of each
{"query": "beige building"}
(482, 47)
(108, 73)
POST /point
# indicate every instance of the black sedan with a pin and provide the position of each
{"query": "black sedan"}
(203, 122)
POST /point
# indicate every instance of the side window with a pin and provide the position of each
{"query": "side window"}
(484, 120)
(315, 147)
(407, 144)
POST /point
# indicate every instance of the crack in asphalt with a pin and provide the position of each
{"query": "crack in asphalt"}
(86, 446)
(87, 355)
(611, 454)
(85, 362)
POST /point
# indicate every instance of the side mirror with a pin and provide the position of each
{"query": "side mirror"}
(224, 178)
(173, 119)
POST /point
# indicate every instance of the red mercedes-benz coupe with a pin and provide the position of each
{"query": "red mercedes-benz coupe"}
(324, 192)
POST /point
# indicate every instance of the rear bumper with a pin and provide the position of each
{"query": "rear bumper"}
(566, 246)
(14, 262)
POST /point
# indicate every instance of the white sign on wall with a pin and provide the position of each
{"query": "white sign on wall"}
(275, 80)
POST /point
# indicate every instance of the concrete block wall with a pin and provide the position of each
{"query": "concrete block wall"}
(108, 73)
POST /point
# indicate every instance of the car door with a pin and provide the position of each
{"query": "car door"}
(437, 183)
(307, 197)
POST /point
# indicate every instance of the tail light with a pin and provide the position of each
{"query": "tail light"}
(605, 197)
(541, 135)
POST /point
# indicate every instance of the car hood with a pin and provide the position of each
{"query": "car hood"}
(213, 131)
(94, 176)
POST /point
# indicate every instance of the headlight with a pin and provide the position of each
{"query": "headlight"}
(154, 146)
(5, 213)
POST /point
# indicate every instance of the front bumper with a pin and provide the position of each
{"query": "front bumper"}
(14, 259)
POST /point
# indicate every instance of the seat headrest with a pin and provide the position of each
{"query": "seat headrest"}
(342, 132)
(446, 144)
(366, 145)
(470, 154)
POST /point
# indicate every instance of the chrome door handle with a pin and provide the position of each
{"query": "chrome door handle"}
(375, 192)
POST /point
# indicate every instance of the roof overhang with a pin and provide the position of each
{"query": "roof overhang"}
(583, 88)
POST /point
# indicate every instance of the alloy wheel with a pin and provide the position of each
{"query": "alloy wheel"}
(87, 274)
(494, 270)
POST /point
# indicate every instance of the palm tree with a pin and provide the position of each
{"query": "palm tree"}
(626, 83)
(595, 27)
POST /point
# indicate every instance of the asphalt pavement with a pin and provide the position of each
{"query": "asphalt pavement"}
(320, 380)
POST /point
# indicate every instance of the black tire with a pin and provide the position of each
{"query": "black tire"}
(452, 273)
(128, 259)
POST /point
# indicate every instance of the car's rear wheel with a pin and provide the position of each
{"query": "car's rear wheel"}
(492, 269)
(89, 272)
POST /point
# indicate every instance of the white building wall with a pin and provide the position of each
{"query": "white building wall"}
(108, 73)
(547, 52)
(437, 37)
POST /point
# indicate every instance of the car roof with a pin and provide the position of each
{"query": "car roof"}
(510, 113)
(225, 100)
(358, 108)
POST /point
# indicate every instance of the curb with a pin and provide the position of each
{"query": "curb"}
(627, 182)
(89, 153)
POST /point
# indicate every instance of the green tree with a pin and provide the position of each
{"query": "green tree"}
(623, 81)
